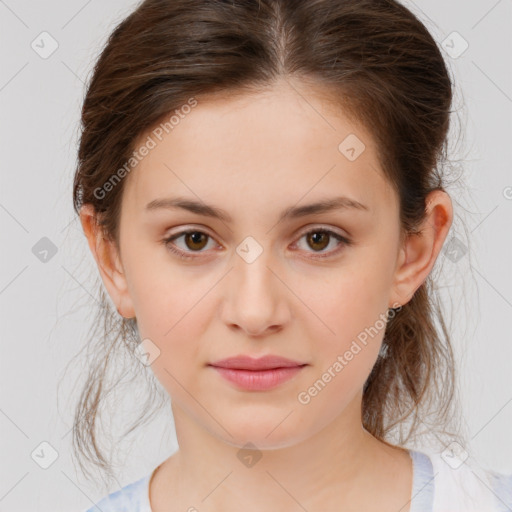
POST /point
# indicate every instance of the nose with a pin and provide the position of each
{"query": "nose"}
(256, 298)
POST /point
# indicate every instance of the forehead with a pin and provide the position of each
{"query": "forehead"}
(275, 146)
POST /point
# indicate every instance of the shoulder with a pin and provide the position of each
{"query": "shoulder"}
(133, 497)
(464, 486)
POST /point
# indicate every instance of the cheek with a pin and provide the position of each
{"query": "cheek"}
(346, 318)
(171, 323)
(344, 345)
(173, 310)
(161, 291)
(347, 302)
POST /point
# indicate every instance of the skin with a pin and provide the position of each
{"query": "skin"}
(253, 156)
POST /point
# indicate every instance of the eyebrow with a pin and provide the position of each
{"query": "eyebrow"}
(293, 212)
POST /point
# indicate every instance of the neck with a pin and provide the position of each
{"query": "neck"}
(329, 470)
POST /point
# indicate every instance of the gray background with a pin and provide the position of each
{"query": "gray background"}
(46, 305)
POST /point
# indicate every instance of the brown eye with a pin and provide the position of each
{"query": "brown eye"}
(195, 240)
(318, 240)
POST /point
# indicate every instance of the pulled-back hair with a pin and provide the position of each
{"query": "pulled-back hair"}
(377, 61)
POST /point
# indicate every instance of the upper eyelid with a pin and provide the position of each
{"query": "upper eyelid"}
(300, 232)
(298, 236)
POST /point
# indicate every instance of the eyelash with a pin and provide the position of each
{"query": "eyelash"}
(184, 256)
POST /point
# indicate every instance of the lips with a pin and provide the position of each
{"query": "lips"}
(257, 374)
(268, 362)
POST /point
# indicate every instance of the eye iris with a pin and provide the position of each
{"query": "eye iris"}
(195, 236)
(317, 237)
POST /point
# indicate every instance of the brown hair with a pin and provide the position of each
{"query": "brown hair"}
(378, 62)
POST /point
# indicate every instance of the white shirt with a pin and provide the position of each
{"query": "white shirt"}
(438, 486)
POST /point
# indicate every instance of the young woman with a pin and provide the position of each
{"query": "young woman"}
(261, 186)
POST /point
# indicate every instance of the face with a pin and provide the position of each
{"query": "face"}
(313, 286)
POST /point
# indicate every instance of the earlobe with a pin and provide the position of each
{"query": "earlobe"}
(107, 259)
(421, 249)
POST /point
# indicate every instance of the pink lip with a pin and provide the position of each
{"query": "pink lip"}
(258, 380)
(257, 374)
(268, 362)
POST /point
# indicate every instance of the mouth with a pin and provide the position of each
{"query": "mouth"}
(268, 362)
(262, 374)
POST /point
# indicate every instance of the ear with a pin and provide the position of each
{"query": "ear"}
(420, 250)
(108, 260)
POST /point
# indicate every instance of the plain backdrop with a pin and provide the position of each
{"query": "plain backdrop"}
(44, 296)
